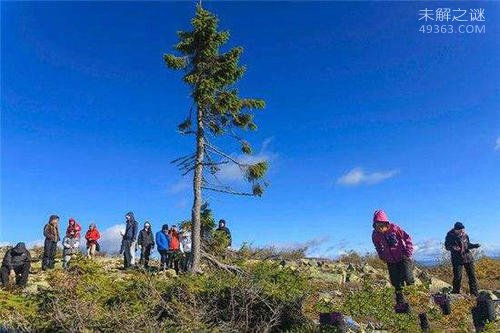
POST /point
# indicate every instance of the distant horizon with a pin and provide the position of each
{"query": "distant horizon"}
(363, 112)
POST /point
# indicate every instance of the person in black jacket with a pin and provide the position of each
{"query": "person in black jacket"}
(129, 240)
(457, 242)
(146, 242)
(16, 261)
(222, 228)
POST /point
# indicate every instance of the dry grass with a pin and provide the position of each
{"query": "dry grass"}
(487, 272)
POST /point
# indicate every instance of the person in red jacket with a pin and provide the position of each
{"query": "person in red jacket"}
(175, 247)
(92, 236)
(73, 228)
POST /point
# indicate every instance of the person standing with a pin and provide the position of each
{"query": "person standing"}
(395, 247)
(73, 226)
(129, 240)
(71, 243)
(92, 236)
(224, 229)
(163, 246)
(17, 261)
(146, 242)
(186, 244)
(51, 234)
(457, 242)
(175, 248)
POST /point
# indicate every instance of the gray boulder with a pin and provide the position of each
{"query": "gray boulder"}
(437, 285)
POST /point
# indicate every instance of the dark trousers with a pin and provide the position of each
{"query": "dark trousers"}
(145, 253)
(22, 272)
(401, 273)
(127, 257)
(164, 259)
(186, 261)
(471, 275)
(175, 258)
(49, 254)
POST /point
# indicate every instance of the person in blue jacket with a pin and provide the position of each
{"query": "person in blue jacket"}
(163, 246)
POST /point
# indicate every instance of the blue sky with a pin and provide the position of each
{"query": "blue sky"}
(363, 112)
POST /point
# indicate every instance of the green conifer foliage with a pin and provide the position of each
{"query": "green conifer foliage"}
(218, 110)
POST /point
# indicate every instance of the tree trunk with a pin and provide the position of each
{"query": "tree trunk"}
(197, 182)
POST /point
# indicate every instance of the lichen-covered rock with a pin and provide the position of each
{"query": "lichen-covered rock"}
(352, 277)
(369, 269)
(437, 285)
(488, 294)
(328, 277)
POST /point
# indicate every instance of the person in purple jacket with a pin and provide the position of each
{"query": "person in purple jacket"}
(394, 246)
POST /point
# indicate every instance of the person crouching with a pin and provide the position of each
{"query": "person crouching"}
(17, 261)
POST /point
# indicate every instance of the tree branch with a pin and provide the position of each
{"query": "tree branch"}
(229, 268)
(228, 191)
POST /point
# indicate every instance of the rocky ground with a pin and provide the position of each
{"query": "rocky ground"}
(332, 281)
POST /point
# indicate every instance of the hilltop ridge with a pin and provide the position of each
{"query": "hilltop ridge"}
(276, 291)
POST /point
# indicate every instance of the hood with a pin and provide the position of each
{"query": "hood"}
(131, 214)
(19, 248)
(380, 216)
(53, 217)
(71, 220)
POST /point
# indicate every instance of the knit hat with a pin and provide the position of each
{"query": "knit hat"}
(458, 226)
(164, 227)
(380, 216)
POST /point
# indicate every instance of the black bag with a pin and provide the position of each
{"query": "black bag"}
(402, 308)
(333, 319)
(97, 247)
(487, 308)
(444, 303)
(424, 322)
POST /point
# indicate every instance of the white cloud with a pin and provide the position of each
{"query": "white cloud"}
(358, 176)
(182, 203)
(497, 144)
(311, 244)
(314, 246)
(232, 173)
(429, 248)
(180, 186)
(110, 238)
(35, 243)
(491, 250)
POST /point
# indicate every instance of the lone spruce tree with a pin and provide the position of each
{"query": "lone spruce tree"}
(217, 110)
